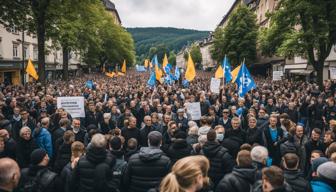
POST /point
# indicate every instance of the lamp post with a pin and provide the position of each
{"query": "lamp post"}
(22, 40)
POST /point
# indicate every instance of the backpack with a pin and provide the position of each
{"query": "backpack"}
(40, 182)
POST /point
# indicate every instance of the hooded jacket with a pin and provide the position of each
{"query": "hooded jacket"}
(221, 161)
(93, 171)
(240, 180)
(295, 179)
(146, 169)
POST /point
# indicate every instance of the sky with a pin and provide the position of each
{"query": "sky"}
(189, 14)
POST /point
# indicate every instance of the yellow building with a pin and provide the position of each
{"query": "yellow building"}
(110, 7)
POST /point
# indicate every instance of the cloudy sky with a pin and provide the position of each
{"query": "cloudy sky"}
(189, 14)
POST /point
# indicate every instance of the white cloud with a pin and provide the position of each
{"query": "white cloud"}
(190, 14)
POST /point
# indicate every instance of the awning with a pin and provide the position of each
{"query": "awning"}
(301, 71)
(296, 66)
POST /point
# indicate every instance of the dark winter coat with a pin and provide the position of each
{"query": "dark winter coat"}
(295, 179)
(254, 136)
(23, 150)
(240, 180)
(179, 149)
(221, 161)
(63, 157)
(146, 169)
(93, 171)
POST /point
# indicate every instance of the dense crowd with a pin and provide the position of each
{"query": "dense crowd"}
(135, 138)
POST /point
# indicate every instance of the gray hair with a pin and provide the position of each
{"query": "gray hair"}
(98, 141)
(193, 130)
(259, 154)
(202, 139)
(24, 128)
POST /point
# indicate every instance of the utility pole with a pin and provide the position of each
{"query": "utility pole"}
(23, 58)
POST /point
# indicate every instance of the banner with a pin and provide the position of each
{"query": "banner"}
(194, 109)
(277, 75)
(215, 85)
(332, 73)
(73, 105)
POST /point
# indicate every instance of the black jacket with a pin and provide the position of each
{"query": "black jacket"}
(144, 135)
(23, 150)
(221, 161)
(46, 179)
(296, 181)
(273, 147)
(63, 157)
(128, 133)
(254, 136)
(146, 169)
(93, 171)
(240, 180)
(179, 149)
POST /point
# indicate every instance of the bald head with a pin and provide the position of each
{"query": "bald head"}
(10, 174)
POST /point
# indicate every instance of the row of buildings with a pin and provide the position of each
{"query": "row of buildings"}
(16, 47)
(296, 67)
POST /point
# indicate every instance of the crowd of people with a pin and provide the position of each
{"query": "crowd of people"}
(279, 138)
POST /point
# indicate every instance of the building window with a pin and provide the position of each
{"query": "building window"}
(14, 30)
(26, 52)
(15, 50)
(0, 47)
(35, 53)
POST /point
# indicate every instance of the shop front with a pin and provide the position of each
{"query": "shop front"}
(10, 72)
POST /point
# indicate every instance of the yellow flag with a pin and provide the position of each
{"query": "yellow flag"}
(234, 73)
(30, 70)
(219, 73)
(158, 73)
(146, 63)
(123, 68)
(165, 61)
(190, 71)
(109, 74)
(121, 74)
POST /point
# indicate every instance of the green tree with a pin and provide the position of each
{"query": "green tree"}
(172, 58)
(238, 39)
(302, 28)
(196, 55)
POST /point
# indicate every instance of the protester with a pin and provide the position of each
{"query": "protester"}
(290, 124)
(10, 175)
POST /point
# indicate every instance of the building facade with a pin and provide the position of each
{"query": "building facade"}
(17, 47)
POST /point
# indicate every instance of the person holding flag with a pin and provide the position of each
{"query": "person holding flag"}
(244, 81)
(158, 71)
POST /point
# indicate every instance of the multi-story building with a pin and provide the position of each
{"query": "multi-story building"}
(110, 7)
(205, 47)
(14, 54)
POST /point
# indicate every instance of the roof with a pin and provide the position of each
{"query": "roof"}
(109, 5)
(246, 2)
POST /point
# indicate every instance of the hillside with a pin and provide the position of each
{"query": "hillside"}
(172, 39)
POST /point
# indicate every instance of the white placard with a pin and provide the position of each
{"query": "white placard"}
(194, 109)
(277, 75)
(332, 73)
(215, 85)
(73, 105)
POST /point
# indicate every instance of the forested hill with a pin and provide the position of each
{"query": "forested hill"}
(169, 38)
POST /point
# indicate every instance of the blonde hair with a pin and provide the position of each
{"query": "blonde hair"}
(184, 174)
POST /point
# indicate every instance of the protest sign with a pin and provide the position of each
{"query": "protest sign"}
(215, 85)
(73, 105)
(194, 109)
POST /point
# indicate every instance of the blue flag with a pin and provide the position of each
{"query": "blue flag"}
(177, 73)
(168, 68)
(140, 68)
(152, 80)
(185, 83)
(245, 81)
(168, 79)
(89, 84)
(227, 69)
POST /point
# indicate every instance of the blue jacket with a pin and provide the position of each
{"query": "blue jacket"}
(320, 186)
(43, 140)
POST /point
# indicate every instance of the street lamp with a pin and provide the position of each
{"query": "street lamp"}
(22, 41)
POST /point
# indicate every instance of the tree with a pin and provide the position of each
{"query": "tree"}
(196, 55)
(172, 58)
(238, 39)
(304, 28)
